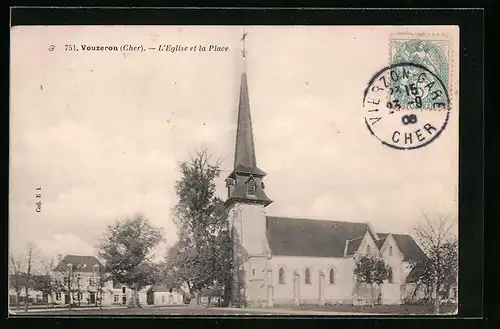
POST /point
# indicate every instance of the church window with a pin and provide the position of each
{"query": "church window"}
(331, 276)
(367, 248)
(390, 279)
(390, 250)
(307, 276)
(250, 187)
(281, 276)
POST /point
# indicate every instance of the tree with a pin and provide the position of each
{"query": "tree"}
(100, 279)
(204, 255)
(126, 249)
(69, 282)
(46, 282)
(372, 270)
(17, 278)
(29, 270)
(439, 269)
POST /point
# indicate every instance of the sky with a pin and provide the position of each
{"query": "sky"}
(102, 133)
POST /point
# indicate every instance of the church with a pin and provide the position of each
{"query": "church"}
(298, 260)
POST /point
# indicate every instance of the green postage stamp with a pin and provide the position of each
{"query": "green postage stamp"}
(431, 52)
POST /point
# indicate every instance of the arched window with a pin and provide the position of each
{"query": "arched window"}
(390, 250)
(391, 275)
(250, 186)
(281, 276)
(307, 276)
(368, 249)
(331, 276)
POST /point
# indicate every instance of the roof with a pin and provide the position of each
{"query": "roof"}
(380, 242)
(309, 237)
(248, 170)
(353, 245)
(408, 246)
(412, 276)
(238, 193)
(22, 277)
(85, 263)
(164, 288)
(118, 285)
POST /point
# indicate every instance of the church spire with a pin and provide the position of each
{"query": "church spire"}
(245, 181)
(245, 148)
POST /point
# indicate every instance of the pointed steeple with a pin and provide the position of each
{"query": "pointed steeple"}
(245, 148)
(244, 155)
(245, 182)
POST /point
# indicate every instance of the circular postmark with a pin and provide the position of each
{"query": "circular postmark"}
(407, 106)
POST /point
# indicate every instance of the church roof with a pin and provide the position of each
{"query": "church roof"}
(85, 263)
(311, 238)
(412, 276)
(247, 170)
(408, 246)
(353, 245)
(380, 242)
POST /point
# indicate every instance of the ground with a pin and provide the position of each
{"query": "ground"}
(203, 311)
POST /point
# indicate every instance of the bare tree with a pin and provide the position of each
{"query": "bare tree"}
(16, 278)
(100, 280)
(28, 274)
(45, 281)
(439, 241)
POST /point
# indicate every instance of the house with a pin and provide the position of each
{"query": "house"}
(301, 260)
(34, 296)
(161, 294)
(121, 294)
(81, 278)
(84, 285)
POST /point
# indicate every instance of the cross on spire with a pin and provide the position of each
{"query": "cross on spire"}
(243, 42)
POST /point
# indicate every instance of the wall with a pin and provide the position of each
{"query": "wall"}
(250, 222)
(394, 260)
(366, 294)
(391, 294)
(339, 292)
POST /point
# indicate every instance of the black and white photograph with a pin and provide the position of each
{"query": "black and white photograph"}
(233, 170)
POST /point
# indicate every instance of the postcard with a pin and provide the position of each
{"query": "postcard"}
(233, 170)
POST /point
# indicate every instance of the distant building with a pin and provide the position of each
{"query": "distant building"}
(164, 295)
(34, 296)
(82, 275)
